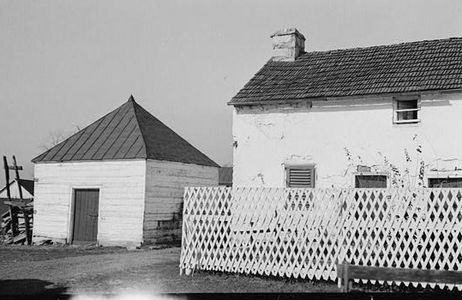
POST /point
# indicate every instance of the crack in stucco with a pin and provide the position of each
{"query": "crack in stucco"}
(260, 177)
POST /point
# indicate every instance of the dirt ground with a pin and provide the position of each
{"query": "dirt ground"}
(53, 270)
(50, 269)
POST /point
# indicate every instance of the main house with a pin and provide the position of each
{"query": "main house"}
(381, 116)
(118, 181)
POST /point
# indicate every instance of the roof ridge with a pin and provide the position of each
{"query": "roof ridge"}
(205, 160)
(379, 46)
(138, 109)
(137, 122)
(113, 130)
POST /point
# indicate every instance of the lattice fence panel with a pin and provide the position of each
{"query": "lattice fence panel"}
(305, 232)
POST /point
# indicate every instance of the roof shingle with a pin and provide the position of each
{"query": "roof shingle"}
(128, 132)
(399, 68)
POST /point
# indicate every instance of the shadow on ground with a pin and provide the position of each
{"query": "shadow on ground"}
(30, 287)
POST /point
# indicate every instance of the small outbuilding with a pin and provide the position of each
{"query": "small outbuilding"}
(119, 181)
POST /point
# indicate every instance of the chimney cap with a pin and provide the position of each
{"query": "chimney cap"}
(288, 31)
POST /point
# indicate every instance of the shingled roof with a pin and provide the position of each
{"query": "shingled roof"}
(128, 132)
(399, 68)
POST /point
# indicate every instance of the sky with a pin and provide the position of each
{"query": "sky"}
(64, 64)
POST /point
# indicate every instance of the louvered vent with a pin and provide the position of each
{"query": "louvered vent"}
(300, 177)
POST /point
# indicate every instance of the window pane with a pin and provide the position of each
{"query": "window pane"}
(371, 181)
(411, 104)
(445, 182)
(407, 115)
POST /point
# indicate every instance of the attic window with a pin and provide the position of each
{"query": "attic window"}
(406, 109)
(300, 176)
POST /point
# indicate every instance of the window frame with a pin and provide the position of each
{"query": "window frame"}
(311, 167)
(396, 110)
(385, 174)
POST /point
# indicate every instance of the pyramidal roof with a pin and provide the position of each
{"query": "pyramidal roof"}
(128, 132)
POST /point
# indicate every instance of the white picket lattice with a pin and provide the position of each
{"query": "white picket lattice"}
(305, 232)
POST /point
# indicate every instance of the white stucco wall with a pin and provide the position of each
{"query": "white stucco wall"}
(165, 183)
(121, 199)
(266, 138)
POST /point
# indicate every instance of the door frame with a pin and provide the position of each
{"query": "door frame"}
(71, 215)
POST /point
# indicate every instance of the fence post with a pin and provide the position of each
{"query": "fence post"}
(346, 280)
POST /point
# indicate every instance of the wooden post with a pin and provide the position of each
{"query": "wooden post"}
(16, 169)
(346, 280)
(13, 216)
(27, 225)
(339, 276)
(24, 210)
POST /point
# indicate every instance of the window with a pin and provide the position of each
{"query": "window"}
(406, 109)
(453, 182)
(370, 181)
(300, 176)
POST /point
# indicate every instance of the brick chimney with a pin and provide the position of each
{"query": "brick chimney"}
(288, 44)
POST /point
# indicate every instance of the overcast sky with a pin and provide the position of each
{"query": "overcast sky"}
(65, 64)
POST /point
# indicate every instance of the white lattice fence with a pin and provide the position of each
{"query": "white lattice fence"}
(305, 232)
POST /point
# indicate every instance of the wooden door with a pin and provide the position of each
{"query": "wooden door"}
(86, 204)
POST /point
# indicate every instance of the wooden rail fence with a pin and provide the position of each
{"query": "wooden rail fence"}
(306, 232)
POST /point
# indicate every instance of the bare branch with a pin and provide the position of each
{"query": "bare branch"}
(57, 136)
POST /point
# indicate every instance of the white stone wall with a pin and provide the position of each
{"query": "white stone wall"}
(121, 199)
(266, 138)
(165, 183)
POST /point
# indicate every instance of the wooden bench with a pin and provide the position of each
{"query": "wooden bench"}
(347, 272)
